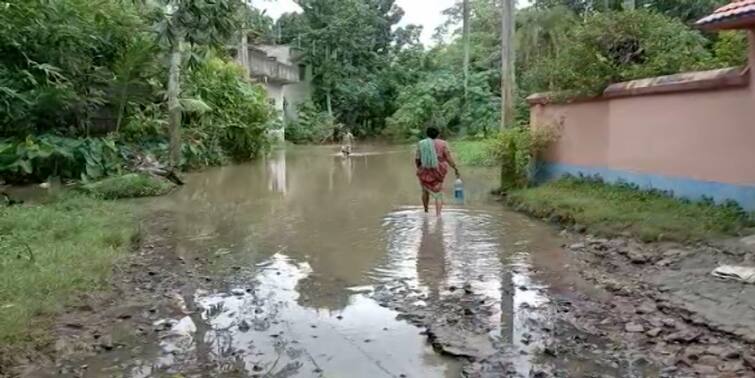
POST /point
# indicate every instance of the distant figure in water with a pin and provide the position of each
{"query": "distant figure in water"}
(433, 159)
(347, 142)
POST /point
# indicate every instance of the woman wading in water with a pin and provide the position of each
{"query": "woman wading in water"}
(432, 160)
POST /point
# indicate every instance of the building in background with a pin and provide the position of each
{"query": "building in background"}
(287, 79)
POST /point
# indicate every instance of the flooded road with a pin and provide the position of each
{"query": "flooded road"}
(314, 240)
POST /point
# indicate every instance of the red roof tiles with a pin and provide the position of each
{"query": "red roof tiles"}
(736, 15)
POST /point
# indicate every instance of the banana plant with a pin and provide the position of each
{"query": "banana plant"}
(181, 25)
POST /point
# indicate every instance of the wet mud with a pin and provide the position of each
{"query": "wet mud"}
(309, 264)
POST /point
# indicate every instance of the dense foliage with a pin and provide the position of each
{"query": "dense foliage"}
(613, 47)
(382, 81)
(83, 86)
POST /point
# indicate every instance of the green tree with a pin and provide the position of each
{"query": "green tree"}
(350, 45)
(640, 44)
(184, 26)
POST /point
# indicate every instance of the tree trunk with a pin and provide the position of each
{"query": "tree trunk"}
(174, 107)
(244, 52)
(508, 75)
(329, 104)
(466, 50)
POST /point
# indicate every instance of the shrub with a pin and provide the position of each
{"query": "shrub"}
(238, 110)
(133, 185)
(516, 150)
(474, 153)
(439, 99)
(731, 49)
(610, 47)
(312, 126)
(38, 157)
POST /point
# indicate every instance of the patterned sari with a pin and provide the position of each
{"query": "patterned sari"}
(432, 165)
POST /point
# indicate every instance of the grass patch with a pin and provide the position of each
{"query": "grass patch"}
(132, 185)
(51, 252)
(473, 153)
(616, 210)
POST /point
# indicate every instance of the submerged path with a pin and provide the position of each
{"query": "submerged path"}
(320, 266)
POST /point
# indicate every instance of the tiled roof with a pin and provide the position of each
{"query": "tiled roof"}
(737, 14)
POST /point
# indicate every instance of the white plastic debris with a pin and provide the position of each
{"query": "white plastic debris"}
(738, 273)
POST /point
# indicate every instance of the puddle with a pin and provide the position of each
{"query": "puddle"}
(314, 235)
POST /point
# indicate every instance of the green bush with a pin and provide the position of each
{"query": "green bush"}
(731, 49)
(238, 114)
(611, 47)
(516, 150)
(37, 158)
(312, 126)
(58, 61)
(438, 99)
(133, 185)
(474, 153)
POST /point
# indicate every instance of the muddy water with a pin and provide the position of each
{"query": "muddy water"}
(311, 235)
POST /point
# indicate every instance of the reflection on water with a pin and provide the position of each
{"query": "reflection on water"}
(316, 231)
(271, 332)
(276, 171)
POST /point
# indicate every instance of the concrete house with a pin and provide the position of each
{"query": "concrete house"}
(286, 78)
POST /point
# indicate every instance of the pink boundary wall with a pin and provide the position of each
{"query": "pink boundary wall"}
(694, 128)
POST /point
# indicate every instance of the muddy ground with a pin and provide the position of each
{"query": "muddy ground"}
(306, 264)
(658, 313)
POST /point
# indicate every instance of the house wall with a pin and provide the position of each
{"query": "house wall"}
(695, 141)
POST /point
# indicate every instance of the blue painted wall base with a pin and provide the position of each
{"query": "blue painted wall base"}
(680, 187)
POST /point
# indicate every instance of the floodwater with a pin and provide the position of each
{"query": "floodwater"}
(312, 235)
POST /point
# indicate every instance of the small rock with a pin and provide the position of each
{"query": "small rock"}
(668, 322)
(731, 366)
(579, 228)
(577, 246)
(339, 317)
(655, 332)
(749, 361)
(549, 351)
(538, 374)
(634, 328)
(646, 308)
(705, 369)
(637, 256)
(106, 342)
(664, 263)
(257, 368)
(685, 336)
(244, 326)
(748, 241)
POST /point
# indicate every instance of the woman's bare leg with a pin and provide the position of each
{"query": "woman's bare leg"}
(426, 200)
(438, 205)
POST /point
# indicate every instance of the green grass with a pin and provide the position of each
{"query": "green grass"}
(51, 252)
(616, 210)
(131, 185)
(473, 153)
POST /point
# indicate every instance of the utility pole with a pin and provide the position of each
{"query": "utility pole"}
(508, 74)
